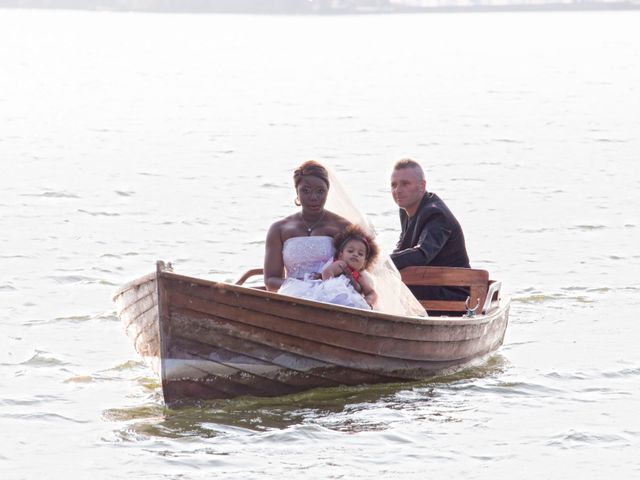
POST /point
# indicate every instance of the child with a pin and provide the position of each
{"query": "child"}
(355, 253)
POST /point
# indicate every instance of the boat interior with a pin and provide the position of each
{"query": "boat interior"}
(483, 292)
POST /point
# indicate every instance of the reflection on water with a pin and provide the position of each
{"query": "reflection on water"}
(347, 409)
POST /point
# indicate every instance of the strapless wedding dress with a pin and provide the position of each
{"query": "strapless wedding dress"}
(305, 257)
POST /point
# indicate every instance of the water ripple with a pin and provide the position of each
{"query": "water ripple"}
(552, 297)
(274, 185)
(32, 401)
(128, 365)
(40, 360)
(587, 227)
(575, 439)
(625, 372)
(80, 379)
(82, 279)
(50, 417)
(51, 194)
(99, 214)
(506, 140)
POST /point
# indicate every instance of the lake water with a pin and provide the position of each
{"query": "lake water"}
(128, 138)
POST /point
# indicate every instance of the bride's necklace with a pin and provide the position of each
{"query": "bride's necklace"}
(315, 224)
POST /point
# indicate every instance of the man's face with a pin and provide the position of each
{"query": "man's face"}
(407, 188)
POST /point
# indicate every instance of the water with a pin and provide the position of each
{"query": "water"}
(127, 138)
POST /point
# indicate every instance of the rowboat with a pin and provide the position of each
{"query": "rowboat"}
(218, 340)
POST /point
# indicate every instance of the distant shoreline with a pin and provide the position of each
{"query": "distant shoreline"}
(146, 7)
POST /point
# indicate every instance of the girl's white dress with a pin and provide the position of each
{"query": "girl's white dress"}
(305, 256)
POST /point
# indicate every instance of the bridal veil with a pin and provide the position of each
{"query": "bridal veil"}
(393, 296)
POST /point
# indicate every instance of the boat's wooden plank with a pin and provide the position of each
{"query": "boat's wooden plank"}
(353, 320)
(140, 322)
(237, 372)
(227, 387)
(204, 348)
(235, 381)
(444, 276)
(315, 347)
(138, 309)
(444, 305)
(133, 294)
(477, 281)
(130, 295)
(315, 306)
(127, 306)
(356, 323)
(146, 337)
(225, 343)
(392, 348)
(150, 277)
(185, 390)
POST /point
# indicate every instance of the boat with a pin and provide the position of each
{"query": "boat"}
(219, 340)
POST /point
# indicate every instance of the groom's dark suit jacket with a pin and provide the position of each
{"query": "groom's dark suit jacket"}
(432, 237)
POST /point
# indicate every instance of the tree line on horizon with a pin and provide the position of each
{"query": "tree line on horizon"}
(205, 5)
(315, 6)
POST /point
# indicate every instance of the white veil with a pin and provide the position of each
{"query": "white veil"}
(393, 296)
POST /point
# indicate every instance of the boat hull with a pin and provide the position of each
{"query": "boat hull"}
(216, 340)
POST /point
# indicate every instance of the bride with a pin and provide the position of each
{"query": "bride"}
(303, 242)
(298, 246)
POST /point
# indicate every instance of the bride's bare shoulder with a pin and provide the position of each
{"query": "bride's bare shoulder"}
(285, 228)
(337, 219)
(286, 221)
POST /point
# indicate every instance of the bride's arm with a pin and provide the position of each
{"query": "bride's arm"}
(368, 291)
(273, 263)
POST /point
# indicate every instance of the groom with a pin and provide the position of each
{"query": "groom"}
(431, 235)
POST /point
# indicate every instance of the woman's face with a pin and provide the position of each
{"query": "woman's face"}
(355, 254)
(312, 193)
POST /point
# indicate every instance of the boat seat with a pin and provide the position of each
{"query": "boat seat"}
(476, 280)
(250, 273)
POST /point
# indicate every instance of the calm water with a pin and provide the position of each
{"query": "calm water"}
(127, 138)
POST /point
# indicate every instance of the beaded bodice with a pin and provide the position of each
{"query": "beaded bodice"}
(302, 255)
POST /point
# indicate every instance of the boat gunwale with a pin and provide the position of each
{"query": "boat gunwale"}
(309, 316)
(488, 317)
(134, 283)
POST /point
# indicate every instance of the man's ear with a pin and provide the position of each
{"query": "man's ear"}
(423, 184)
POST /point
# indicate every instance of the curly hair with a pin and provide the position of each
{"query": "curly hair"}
(310, 168)
(354, 232)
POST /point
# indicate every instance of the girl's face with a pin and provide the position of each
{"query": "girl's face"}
(354, 254)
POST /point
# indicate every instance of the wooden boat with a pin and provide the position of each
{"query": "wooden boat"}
(210, 340)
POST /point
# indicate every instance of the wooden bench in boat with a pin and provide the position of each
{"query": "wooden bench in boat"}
(483, 293)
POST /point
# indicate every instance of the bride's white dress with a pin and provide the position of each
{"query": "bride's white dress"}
(305, 256)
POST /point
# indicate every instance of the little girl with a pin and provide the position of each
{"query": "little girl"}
(344, 279)
(355, 253)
